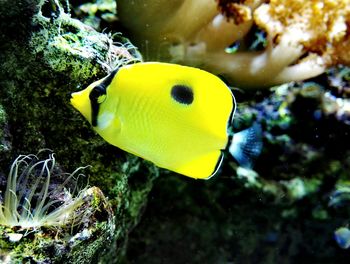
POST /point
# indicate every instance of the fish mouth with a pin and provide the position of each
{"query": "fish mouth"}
(80, 101)
(74, 98)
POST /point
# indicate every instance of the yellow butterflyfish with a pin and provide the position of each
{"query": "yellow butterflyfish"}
(174, 116)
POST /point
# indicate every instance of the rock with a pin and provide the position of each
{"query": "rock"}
(45, 56)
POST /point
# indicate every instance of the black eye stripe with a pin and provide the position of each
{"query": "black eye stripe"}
(96, 92)
(100, 89)
(182, 94)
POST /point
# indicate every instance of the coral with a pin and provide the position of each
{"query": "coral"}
(280, 212)
(173, 33)
(45, 55)
(303, 37)
(42, 209)
(29, 181)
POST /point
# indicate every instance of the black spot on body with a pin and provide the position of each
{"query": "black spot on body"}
(182, 94)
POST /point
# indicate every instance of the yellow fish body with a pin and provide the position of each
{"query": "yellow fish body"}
(174, 116)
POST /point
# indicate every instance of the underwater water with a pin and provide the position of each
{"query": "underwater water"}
(73, 185)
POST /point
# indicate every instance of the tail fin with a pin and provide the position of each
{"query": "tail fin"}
(246, 145)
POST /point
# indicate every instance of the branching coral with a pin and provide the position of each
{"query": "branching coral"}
(29, 202)
(303, 37)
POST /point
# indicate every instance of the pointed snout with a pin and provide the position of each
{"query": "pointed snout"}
(80, 101)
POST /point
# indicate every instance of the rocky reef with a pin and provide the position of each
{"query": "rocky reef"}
(45, 55)
(46, 217)
(285, 210)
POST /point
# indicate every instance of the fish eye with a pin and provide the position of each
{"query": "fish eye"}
(182, 94)
(98, 94)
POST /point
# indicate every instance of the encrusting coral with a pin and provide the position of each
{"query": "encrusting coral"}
(303, 37)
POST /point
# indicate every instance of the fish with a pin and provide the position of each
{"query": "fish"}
(172, 115)
(342, 237)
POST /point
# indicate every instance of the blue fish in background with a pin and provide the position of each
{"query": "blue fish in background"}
(342, 237)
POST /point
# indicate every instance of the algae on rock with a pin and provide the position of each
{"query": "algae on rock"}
(45, 55)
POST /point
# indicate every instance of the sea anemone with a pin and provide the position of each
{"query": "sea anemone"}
(30, 201)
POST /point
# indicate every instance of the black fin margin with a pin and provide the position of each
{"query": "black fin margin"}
(246, 145)
(217, 166)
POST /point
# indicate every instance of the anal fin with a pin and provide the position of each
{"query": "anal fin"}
(203, 167)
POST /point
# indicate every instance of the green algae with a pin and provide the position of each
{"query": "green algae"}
(97, 14)
(50, 56)
(5, 144)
